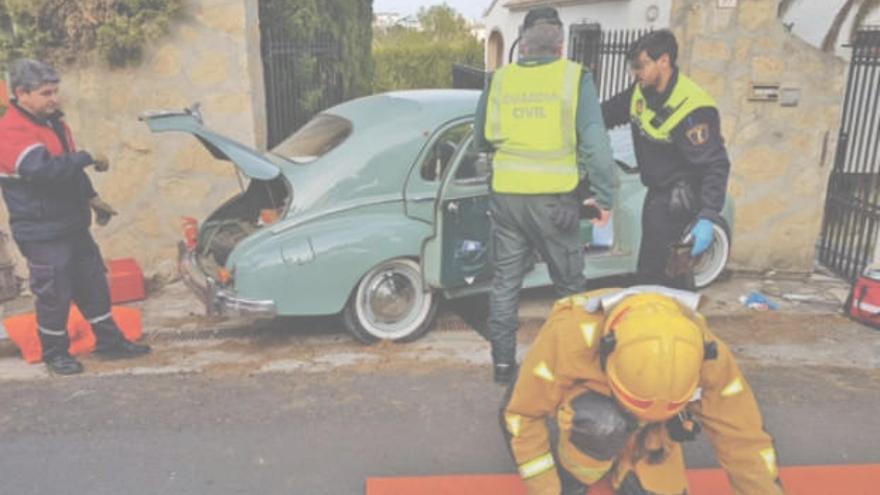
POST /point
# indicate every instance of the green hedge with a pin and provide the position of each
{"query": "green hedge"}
(410, 59)
(423, 65)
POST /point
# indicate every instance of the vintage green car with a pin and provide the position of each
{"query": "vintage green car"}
(375, 209)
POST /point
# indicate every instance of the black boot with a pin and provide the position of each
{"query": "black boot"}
(120, 349)
(112, 345)
(63, 364)
(505, 373)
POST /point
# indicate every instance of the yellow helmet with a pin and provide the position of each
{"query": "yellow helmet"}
(653, 354)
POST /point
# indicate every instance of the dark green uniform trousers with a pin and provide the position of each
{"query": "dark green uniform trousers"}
(521, 226)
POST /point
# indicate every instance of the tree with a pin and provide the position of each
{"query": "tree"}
(65, 30)
(423, 58)
(862, 8)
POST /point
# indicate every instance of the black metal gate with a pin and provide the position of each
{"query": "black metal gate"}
(852, 207)
(604, 53)
(301, 79)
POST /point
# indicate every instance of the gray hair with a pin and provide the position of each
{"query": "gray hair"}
(30, 74)
(542, 39)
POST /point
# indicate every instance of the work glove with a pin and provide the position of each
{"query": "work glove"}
(565, 217)
(702, 234)
(101, 162)
(103, 211)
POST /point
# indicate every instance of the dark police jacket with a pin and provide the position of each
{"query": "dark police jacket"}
(45, 188)
(695, 152)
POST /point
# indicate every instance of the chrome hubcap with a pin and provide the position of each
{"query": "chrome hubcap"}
(391, 297)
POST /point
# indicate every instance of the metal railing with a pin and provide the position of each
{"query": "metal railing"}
(301, 79)
(851, 223)
(466, 77)
(604, 53)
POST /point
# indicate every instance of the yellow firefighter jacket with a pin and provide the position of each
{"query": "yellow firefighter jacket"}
(563, 362)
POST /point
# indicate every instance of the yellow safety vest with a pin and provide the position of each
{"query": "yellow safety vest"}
(531, 119)
(685, 98)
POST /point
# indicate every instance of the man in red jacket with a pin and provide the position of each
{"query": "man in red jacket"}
(49, 198)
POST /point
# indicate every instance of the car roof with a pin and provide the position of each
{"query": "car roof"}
(432, 104)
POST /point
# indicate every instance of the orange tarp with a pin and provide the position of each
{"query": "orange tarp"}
(798, 480)
(22, 329)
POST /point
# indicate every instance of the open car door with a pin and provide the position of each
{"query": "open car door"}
(456, 259)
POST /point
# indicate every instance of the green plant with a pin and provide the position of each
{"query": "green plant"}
(65, 30)
(346, 24)
(409, 58)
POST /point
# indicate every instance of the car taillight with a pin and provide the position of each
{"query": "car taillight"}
(190, 228)
(223, 276)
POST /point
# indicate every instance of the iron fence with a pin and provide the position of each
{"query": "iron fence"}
(466, 77)
(604, 53)
(851, 222)
(301, 79)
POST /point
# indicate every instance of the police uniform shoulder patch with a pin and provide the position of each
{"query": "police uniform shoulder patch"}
(698, 135)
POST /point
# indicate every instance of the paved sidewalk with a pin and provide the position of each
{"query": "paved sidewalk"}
(173, 312)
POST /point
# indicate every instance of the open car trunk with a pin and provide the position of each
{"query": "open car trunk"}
(263, 203)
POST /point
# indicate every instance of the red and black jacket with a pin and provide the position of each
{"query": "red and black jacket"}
(46, 190)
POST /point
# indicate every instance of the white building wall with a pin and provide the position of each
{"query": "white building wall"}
(610, 14)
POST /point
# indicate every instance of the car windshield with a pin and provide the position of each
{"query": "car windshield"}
(315, 139)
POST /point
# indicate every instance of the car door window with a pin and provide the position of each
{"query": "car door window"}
(474, 166)
(440, 155)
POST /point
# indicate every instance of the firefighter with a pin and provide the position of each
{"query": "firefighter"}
(680, 153)
(542, 119)
(50, 201)
(628, 375)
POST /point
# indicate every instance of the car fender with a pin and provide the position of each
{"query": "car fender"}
(312, 268)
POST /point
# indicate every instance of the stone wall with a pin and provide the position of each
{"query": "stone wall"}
(211, 56)
(781, 155)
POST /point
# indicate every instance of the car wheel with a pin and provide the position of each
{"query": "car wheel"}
(390, 303)
(713, 260)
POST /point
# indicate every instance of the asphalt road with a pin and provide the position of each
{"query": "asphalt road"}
(326, 432)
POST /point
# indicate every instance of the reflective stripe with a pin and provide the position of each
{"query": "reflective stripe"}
(536, 466)
(514, 423)
(24, 153)
(99, 319)
(735, 387)
(686, 97)
(589, 332)
(532, 168)
(543, 371)
(493, 114)
(55, 333)
(769, 457)
(569, 106)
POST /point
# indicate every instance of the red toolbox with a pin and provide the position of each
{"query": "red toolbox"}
(126, 280)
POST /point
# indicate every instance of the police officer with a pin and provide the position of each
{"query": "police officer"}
(680, 154)
(49, 198)
(542, 119)
(628, 375)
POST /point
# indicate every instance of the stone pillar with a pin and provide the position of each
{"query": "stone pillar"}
(781, 154)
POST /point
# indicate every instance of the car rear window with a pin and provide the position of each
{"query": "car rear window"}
(315, 139)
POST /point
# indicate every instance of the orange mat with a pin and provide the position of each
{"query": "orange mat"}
(798, 480)
(22, 330)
